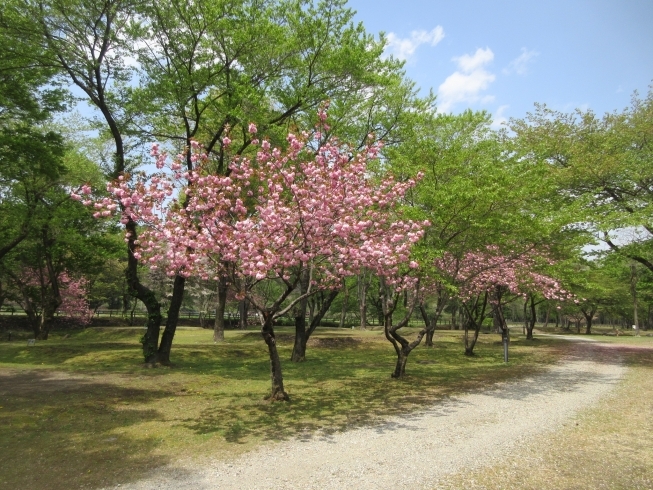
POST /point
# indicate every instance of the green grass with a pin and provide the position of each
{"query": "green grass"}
(83, 411)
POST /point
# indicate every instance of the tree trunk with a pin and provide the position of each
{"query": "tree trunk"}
(428, 342)
(277, 392)
(588, 326)
(470, 343)
(531, 323)
(299, 347)
(45, 323)
(171, 321)
(150, 340)
(546, 318)
(496, 322)
(525, 326)
(505, 331)
(363, 286)
(633, 291)
(218, 325)
(388, 299)
(432, 322)
(243, 313)
(400, 367)
(302, 334)
(429, 338)
(345, 304)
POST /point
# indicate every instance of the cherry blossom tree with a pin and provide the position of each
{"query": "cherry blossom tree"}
(74, 301)
(491, 277)
(44, 292)
(303, 218)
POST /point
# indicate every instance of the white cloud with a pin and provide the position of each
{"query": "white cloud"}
(498, 119)
(520, 64)
(404, 48)
(468, 63)
(467, 83)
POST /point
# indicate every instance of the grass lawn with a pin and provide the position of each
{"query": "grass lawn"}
(82, 411)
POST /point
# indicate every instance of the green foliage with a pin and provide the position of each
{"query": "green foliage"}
(602, 168)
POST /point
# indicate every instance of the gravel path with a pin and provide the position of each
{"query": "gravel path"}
(417, 450)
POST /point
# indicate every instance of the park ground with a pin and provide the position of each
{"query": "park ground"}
(80, 411)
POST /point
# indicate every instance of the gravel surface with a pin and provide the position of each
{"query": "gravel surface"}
(417, 450)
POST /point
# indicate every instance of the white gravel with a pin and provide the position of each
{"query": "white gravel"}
(413, 451)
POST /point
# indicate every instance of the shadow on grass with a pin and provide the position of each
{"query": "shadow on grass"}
(84, 430)
(337, 389)
(65, 431)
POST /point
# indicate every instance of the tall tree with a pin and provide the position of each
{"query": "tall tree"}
(602, 166)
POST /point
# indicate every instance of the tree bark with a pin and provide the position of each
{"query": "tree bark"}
(276, 377)
(218, 325)
(431, 323)
(588, 326)
(475, 316)
(400, 367)
(389, 299)
(165, 347)
(299, 347)
(633, 291)
(428, 342)
(243, 312)
(500, 318)
(533, 318)
(470, 343)
(345, 304)
(454, 322)
(363, 286)
(315, 322)
(50, 293)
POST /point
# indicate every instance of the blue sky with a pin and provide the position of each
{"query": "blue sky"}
(505, 55)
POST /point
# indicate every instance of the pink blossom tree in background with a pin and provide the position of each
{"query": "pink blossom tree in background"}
(491, 277)
(303, 218)
(74, 299)
(45, 293)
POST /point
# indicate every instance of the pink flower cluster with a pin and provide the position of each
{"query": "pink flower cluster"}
(73, 292)
(274, 213)
(73, 295)
(485, 270)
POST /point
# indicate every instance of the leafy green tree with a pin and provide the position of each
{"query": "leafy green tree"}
(205, 69)
(63, 243)
(474, 193)
(601, 167)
